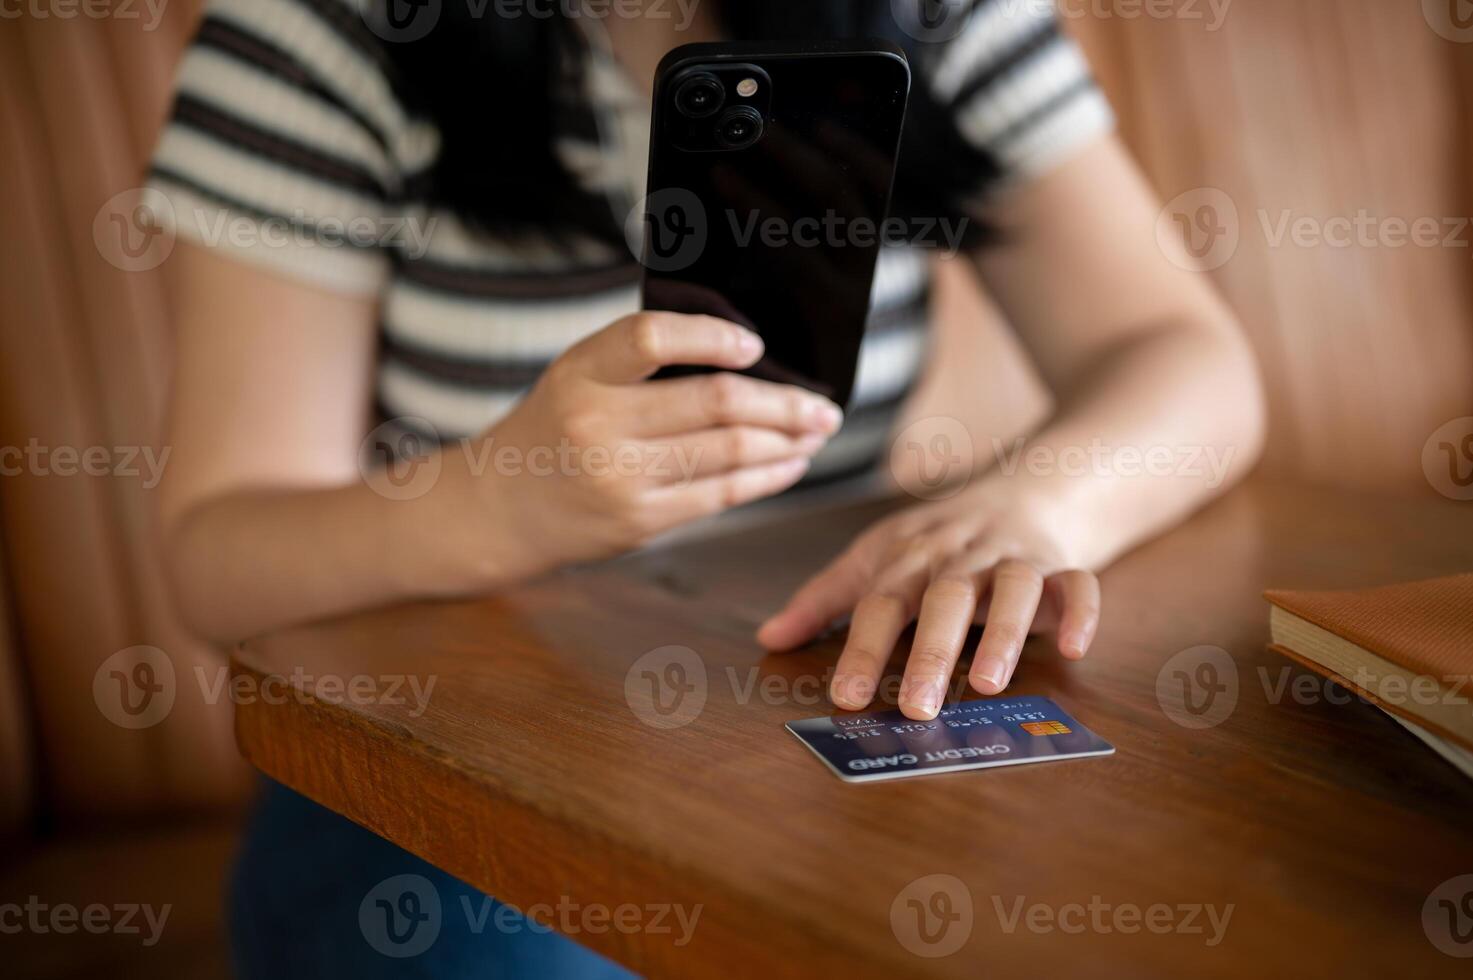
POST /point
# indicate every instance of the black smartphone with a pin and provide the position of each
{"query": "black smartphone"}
(769, 184)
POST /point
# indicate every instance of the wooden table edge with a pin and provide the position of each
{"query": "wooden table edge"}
(327, 753)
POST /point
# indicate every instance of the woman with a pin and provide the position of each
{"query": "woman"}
(493, 151)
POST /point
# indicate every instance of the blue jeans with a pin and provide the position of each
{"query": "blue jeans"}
(314, 895)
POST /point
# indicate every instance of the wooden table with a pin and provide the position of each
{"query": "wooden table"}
(531, 775)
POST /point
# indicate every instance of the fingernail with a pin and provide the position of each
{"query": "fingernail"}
(826, 415)
(1072, 644)
(852, 691)
(993, 670)
(749, 343)
(794, 469)
(926, 698)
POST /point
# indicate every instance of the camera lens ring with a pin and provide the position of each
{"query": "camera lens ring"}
(739, 140)
(694, 87)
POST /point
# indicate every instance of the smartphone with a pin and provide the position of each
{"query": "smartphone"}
(769, 184)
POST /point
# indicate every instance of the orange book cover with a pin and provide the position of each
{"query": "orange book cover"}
(1424, 627)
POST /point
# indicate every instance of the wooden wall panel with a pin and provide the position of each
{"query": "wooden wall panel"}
(84, 347)
(1320, 109)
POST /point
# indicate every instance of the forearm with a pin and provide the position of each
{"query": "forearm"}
(250, 561)
(1157, 399)
(593, 461)
(1151, 431)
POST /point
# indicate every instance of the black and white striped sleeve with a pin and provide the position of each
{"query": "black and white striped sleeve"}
(1019, 87)
(287, 145)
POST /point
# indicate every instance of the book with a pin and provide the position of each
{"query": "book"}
(1454, 753)
(1406, 648)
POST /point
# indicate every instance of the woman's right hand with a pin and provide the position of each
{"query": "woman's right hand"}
(597, 459)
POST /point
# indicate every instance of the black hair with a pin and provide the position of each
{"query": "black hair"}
(489, 82)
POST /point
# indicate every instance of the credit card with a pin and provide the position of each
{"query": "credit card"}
(875, 745)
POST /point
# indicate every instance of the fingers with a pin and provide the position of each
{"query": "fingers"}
(1017, 588)
(1077, 594)
(881, 615)
(946, 614)
(877, 624)
(680, 405)
(681, 504)
(637, 346)
(715, 451)
(822, 599)
(936, 578)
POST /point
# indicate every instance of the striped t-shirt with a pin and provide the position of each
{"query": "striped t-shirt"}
(289, 146)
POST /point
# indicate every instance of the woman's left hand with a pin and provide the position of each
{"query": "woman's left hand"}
(985, 554)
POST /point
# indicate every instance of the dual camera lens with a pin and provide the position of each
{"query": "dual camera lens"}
(702, 95)
(740, 127)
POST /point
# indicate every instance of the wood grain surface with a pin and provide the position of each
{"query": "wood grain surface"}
(530, 774)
